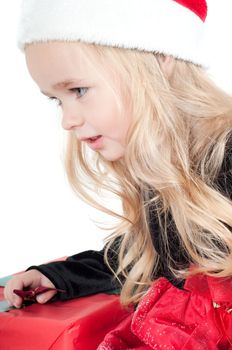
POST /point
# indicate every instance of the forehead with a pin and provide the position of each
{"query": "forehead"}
(61, 63)
(55, 52)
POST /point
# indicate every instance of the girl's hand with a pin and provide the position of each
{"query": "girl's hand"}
(29, 279)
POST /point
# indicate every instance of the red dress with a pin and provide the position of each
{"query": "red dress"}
(198, 317)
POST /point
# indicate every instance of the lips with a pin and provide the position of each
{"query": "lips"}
(95, 142)
(91, 139)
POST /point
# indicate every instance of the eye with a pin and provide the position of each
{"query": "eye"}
(78, 91)
(55, 99)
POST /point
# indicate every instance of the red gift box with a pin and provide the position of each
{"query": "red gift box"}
(74, 324)
(77, 324)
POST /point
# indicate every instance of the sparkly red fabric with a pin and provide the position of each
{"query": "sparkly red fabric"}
(199, 7)
(199, 317)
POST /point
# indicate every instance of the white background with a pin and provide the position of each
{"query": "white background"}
(41, 219)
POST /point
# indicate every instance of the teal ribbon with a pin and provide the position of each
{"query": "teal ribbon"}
(4, 306)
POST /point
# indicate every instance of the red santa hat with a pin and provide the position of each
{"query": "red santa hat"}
(172, 27)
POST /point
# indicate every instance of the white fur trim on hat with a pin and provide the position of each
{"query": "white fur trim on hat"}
(163, 26)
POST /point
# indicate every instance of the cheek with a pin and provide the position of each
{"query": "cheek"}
(115, 125)
(109, 116)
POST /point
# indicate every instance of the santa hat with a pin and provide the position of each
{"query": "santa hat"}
(172, 27)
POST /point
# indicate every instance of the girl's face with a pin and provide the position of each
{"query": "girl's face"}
(89, 105)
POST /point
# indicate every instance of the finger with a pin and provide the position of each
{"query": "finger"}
(30, 279)
(44, 297)
(10, 296)
(17, 301)
(19, 281)
(13, 299)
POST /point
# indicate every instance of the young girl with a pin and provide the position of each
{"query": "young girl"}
(146, 123)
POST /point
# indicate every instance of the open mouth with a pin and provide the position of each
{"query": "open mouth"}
(96, 142)
(93, 139)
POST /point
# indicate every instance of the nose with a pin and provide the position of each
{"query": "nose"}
(71, 118)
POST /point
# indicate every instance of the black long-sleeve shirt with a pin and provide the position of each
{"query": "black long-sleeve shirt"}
(87, 273)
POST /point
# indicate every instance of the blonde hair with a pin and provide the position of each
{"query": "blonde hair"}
(175, 149)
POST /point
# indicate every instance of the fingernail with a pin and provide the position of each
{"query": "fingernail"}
(40, 299)
(17, 305)
(15, 302)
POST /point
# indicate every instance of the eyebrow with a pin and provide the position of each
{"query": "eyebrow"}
(63, 84)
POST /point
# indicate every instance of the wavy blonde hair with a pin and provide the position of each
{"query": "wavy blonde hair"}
(175, 149)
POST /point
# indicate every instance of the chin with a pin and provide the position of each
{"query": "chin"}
(112, 157)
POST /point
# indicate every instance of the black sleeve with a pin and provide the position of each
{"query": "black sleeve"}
(82, 274)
